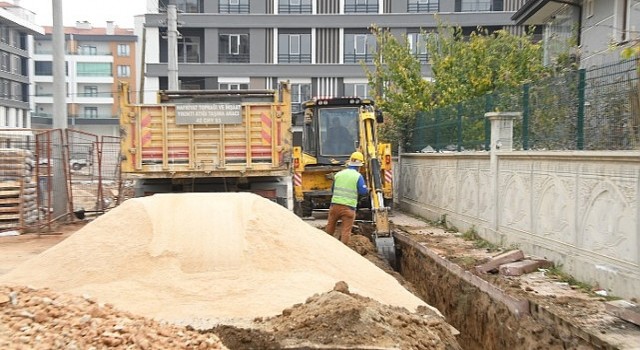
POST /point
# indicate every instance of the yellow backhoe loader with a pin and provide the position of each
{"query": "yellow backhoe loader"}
(332, 129)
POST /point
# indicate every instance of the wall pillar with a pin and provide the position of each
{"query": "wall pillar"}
(501, 141)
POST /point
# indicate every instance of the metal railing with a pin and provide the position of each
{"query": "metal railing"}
(587, 109)
(361, 8)
(357, 57)
(233, 58)
(291, 58)
(288, 8)
(417, 7)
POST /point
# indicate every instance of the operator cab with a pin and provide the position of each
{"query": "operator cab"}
(332, 127)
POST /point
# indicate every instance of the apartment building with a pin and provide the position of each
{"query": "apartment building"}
(17, 28)
(97, 59)
(317, 45)
(594, 31)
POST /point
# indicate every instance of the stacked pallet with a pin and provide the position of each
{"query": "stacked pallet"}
(18, 200)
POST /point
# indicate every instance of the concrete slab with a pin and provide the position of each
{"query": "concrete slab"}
(496, 261)
(626, 310)
(519, 268)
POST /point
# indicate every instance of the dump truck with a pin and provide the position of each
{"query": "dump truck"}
(209, 141)
(332, 129)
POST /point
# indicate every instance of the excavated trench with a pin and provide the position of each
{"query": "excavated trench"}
(486, 317)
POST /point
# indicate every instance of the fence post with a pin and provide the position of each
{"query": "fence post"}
(525, 116)
(580, 123)
(459, 127)
(488, 107)
(437, 130)
(501, 141)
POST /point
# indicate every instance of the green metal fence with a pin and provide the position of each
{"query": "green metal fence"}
(588, 109)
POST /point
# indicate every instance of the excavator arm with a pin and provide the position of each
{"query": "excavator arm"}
(382, 234)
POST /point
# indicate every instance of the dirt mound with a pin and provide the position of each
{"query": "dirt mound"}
(203, 259)
(43, 319)
(339, 319)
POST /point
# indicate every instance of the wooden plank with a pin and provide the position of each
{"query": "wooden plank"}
(10, 210)
(9, 200)
(9, 192)
(6, 217)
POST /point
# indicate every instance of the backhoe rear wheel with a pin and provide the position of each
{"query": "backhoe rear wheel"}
(303, 209)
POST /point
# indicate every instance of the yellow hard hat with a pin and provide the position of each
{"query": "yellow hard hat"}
(356, 159)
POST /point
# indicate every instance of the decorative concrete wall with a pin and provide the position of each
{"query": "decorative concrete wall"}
(578, 209)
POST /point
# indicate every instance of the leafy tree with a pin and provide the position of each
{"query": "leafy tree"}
(401, 89)
(463, 68)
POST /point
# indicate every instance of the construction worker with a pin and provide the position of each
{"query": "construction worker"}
(347, 185)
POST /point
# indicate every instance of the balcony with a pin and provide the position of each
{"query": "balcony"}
(233, 58)
(76, 119)
(420, 7)
(358, 57)
(422, 57)
(49, 51)
(361, 8)
(288, 8)
(239, 8)
(292, 58)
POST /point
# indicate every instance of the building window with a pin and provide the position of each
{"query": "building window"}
(415, 6)
(185, 6)
(359, 47)
(93, 69)
(233, 86)
(5, 89)
(16, 91)
(234, 48)
(16, 65)
(189, 49)
(43, 68)
(621, 20)
(87, 50)
(477, 5)
(357, 90)
(91, 91)
(124, 71)
(361, 6)
(91, 112)
(299, 94)
(294, 6)
(294, 48)
(233, 6)
(4, 62)
(418, 45)
(123, 50)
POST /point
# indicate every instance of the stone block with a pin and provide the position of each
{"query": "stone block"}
(625, 310)
(518, 268)
(496, 261)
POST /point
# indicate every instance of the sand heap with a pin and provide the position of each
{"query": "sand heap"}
(203, 259)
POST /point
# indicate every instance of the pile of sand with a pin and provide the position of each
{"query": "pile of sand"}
(204, 259)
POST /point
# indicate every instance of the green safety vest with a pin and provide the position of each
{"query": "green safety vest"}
(345, 188)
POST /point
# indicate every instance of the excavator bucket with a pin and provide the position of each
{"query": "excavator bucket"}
(383, 236)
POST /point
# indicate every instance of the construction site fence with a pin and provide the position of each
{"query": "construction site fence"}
(56, 175)
(597, 108)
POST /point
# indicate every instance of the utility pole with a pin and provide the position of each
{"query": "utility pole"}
(59, 85)
(58, 183)
(172, 45)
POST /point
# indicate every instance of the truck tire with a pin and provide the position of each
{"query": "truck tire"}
(303, 209)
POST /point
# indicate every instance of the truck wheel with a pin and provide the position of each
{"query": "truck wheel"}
(303, 209)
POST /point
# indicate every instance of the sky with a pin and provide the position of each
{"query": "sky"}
(98, 12)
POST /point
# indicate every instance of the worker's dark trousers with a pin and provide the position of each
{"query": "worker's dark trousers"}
(344, 213)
